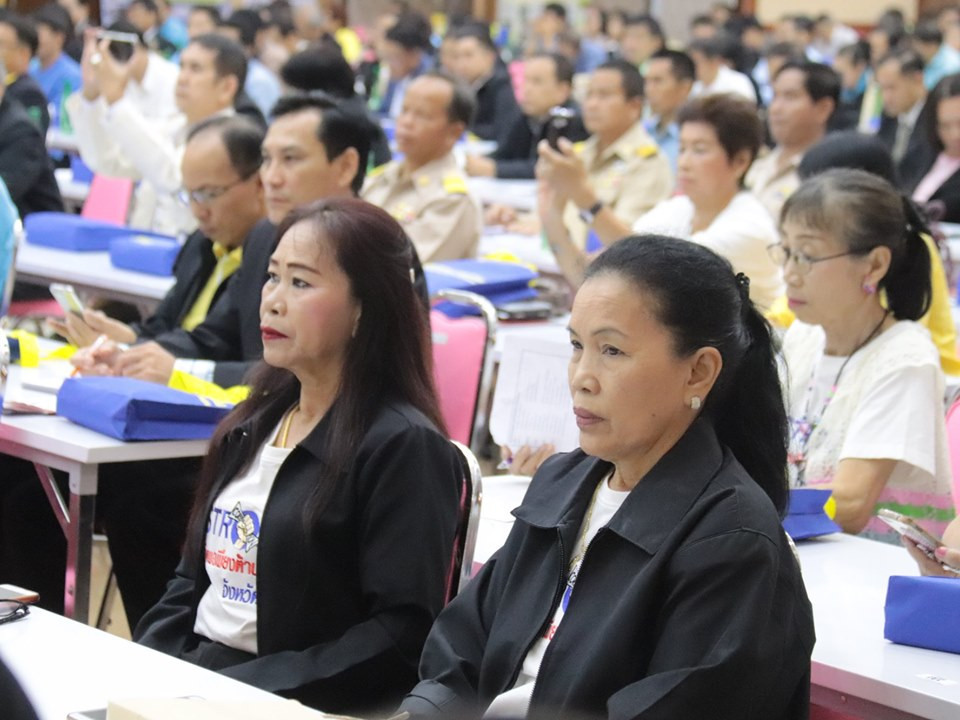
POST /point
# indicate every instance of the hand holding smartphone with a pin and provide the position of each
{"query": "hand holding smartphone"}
(908, 528)
(67, 298)
(559, 118)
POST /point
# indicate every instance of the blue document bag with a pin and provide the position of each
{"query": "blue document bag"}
(806, 517)
(129, 409)
(484, 277)
(923, 612)
(146, 253)
(74, 232)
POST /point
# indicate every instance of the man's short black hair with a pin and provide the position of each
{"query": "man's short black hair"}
(463, 103)
(702, 20)
(647, 21)
(802, 23)
(229, 58)
(681, 66)
(819, 80)
(25, 30)
(479, 32)
(211, 11)
(928, 32)
(563, 69)
(857, 53)
(248, 23)
(338, 128)
(149, 5)
(411, 31)
(321, 67)
(720, 45)
(558, 9)
(54, 17)
(784, 50)
(910, 61)
(241, 137)
(630, 78)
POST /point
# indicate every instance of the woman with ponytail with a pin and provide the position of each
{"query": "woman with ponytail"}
(864, 382)
(647, 573)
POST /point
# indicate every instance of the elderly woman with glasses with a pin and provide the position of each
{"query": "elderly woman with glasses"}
(864, 383)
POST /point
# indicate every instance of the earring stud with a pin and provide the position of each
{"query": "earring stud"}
(869, 288)
(695, 402)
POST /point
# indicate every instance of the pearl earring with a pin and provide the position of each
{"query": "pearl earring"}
(695, 403)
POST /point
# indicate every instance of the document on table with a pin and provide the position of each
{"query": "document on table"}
(531, 403)
(34, 390)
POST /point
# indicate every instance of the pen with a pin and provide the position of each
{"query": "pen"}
(94, 346)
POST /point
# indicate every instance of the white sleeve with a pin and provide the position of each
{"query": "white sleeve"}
(142, 143)
(897, 419)
(661, 219)
(98, 148)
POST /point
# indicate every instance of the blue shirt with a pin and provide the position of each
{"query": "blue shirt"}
(667, 139)
(8, 241)
(174, 31)
(945, 62)
(57, 82)
(262, 86)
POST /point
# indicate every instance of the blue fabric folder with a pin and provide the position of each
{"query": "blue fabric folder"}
(73, 232)
(923, 612)
(146, 253)
(129, 409)
(500, 282)
(806, 517)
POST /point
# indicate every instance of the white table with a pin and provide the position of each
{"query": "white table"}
(518, 194)
(854, 670)
(90, 271)
(65, 666)
(52, 442)
(73, 192)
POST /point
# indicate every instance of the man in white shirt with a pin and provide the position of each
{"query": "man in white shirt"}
(714, 75)
(805, 95)
(121, 138)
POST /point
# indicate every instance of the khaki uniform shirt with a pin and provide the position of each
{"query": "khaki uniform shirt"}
(629, 177)
(432, 204)
(772, 185)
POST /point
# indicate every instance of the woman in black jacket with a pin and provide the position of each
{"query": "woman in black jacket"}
(647, 574)
(938, 187)
(323, 528)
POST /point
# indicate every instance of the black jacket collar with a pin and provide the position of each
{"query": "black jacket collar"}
(672, 486)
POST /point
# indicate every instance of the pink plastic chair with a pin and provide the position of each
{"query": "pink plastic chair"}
(463, 365)
(953, 443)
(108, 199)
(515, 69)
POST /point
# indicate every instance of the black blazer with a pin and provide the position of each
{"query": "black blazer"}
(689, 603)
(26, 90)
(343, 608)
(920, 153)
(497, 108)
(230, 335)
(947, 196)
(25, 167)
(191, 271)
(516, 156)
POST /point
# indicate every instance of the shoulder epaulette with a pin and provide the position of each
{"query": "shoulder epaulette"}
(646, 151)
(454, 185)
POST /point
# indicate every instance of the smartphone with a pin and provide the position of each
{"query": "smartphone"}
(18, 594)
(66, 298)
(559, 118)
(121, 45)
(98, 714)
(908, 528)
(525, 310)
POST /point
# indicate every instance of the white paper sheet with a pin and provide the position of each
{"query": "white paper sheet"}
(531, 403)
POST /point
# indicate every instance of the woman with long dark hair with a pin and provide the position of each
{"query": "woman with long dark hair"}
(647, 574)
(322, 532)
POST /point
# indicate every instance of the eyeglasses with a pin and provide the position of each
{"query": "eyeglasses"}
(11, 610)
(205, 196)
(781, 255)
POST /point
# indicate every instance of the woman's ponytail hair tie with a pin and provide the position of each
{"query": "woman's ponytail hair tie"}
(743, 286)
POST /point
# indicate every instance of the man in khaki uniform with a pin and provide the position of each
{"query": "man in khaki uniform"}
(805, 95)
(619, 167)
(427, 192)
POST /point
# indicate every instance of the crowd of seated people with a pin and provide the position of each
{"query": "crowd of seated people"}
(704, 196)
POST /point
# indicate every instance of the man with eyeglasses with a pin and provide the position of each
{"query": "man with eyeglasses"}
(223, 191)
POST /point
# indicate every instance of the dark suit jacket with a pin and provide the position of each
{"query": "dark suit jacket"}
(947, 195)
(344, 607)
(516, 156)
(191, 271)
(919, 155)
(497, 108)
(230, 336)
(28, 92)
(25, 167)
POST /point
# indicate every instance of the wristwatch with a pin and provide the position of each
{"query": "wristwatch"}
(590, 214)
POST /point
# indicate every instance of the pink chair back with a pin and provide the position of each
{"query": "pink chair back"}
(108, 200)
(458, 354)
(953, 443)
(515, 69)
